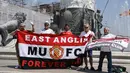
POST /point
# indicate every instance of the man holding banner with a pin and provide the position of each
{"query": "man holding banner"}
(88, 53)
(67, 30)
(21, 28)
(47, 29)
(106, 51)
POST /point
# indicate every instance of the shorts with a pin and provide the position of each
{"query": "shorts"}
(88, 53)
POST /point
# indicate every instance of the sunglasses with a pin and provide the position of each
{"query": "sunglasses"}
(86, 27)
(46, 25)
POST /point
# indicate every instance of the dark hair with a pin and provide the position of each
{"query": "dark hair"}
(66, 25)
(46, 23)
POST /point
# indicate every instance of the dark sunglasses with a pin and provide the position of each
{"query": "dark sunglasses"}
(86, 27)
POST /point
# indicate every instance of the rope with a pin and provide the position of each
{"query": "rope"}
(105, 6)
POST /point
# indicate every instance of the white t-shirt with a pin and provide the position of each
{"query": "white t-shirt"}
(48, 31)
(107, 49)
(83, 33)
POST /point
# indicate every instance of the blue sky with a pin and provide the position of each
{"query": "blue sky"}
(113, 9)
(118, 25)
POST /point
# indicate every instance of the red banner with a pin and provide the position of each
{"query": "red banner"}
(50, 51)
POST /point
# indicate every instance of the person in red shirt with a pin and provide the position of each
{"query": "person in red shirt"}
(20, 28)
(67, 30)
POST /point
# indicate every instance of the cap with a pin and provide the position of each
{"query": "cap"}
(46, 23)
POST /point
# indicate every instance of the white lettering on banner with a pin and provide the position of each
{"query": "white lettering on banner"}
(27, 37)
(37, 51)
(56, 40)
(35, 39)
(76, 41)
(70, 40)
(41, 39)
(47, 39)
(85, 40)
(63, 39)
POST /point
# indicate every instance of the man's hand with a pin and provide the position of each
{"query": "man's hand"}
(32, 26)
(32, 23)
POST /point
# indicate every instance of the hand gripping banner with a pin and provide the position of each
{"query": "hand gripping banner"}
(50, 51)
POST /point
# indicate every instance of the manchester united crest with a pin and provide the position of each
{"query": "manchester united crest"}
(56, 52)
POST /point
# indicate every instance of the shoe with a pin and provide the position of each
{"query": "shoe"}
(70, 67)
(78, 69)
(85, 68)
(92, 69)
(17, 67)
(99, 70)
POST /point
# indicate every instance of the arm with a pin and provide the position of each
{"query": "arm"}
(32, 27)
(93, 36)
(14, 34)
(81, 34)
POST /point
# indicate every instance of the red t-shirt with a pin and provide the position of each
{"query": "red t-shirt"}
(16, 32)
(67, 32)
